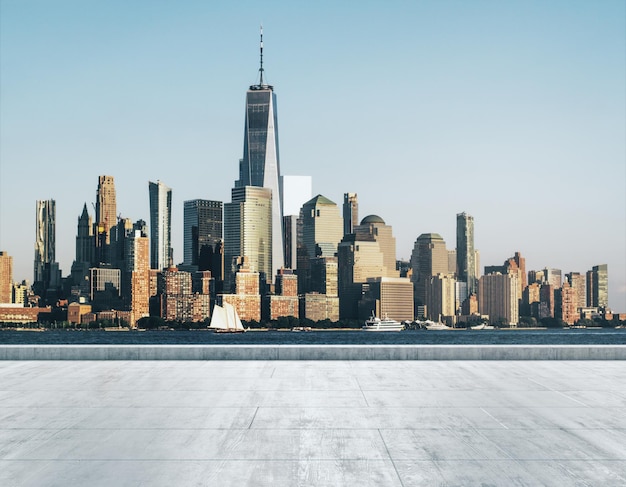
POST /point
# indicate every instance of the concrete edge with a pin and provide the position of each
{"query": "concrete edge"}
(312, 352)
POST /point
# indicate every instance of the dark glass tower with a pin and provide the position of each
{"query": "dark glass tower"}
(260, 165)
(203, 221)
(465, 254)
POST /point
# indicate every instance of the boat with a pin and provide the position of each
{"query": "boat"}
(226, 320)
(483, 326)
(432, 325)
(373, 323)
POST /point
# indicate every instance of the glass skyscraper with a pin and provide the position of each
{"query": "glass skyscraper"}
(465, 255)
(203, 221)
(160, 225)
(260, 165)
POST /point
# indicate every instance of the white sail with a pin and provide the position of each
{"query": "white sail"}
(233, 318)
(219, 318)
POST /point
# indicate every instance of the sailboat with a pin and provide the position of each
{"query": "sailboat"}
(226, 320)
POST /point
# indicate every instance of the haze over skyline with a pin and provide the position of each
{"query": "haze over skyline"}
(514, 112)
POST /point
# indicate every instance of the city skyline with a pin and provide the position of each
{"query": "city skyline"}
(498, 111)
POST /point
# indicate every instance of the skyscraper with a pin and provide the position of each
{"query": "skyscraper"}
(106, 210)
(45, 232)
(598, 286)
(429, 258)
(137, 275)
(260, 165)
(465, 254)
(6, 278)
(322, 230)
(248, 232)
(203, 222)
(160, 225)
(296, 190)
(350, 212)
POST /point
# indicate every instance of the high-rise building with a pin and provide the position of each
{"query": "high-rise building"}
(465, 254)
(350, 212)
(368, 252)
(429, 258)
(203, 236)
(552, 277)
(260, 165)
(598, 286)
(566, 303)
(6, 278)
(577, 282)
(106, 210)
(322, 229)
(161, 255)
(84, 237)
(248, 232)
(388, 297)
(373, 226)
(498, 298)
(46, 269)
(441, 298)
(137, 272)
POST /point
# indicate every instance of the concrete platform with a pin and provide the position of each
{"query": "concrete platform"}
(318, 423)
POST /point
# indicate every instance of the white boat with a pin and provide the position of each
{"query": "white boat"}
(432, 325)
(483, 326)
(226, 320)
(386, 324)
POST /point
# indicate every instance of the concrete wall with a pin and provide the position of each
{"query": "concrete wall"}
(312, 352)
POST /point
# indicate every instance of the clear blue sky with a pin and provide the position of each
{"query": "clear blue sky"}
(514, 112)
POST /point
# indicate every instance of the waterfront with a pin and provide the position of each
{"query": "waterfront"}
(602, 336)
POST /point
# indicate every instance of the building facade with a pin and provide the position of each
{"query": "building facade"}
(465, 252)
(203, 222)
(6, 278)
(248, 232)
(429, 258)
(260, 165)
(161, 255)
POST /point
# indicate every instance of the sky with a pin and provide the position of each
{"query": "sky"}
(514, 112)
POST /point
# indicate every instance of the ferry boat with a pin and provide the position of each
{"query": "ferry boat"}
(386, 324)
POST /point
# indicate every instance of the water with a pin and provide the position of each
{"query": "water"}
(607, 336)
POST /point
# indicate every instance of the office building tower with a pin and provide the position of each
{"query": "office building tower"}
(178, 300)
(105, 287)
(373, 226)
(357, 259)
(6, 278)
(465, 253)
(498, 298)
(260, 165)
(203, 240)
(322, 230)
(429, 258)
(350, 212)
(598, 286)
(577, 282)
(106, 210)
(161, 255)
(47, 275)
(390, 297)
(137, 275)
(546, 301)
(452, 262)
(285, 302)
(248, 232)
(85, 242)
(552, 277)
(566, 299)
(440, 293)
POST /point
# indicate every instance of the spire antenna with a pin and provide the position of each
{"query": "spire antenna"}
(261, 52)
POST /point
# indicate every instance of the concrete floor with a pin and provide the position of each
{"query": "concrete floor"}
(288, 423)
